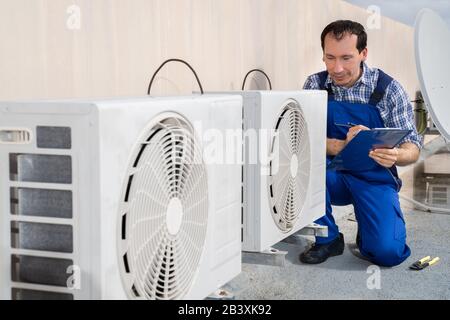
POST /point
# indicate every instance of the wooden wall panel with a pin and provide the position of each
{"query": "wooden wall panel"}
(120, 44)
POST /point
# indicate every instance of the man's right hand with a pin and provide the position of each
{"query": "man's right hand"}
(334, 146)
(353, 131)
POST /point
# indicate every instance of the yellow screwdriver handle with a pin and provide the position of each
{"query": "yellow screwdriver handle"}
(421, 261)
(433, 261)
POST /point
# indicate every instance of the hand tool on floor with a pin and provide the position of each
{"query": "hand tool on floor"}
(423, 263)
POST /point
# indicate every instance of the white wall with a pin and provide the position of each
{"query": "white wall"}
(121, 43)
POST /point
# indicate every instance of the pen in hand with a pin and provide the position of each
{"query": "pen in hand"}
(348, 125)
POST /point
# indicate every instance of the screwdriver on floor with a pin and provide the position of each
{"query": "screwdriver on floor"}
(423, 263)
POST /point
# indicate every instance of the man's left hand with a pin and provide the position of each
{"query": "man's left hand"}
(385, 157)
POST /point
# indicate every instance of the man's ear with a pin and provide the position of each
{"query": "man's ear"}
(364, 53)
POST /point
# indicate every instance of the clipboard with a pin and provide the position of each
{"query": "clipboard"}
(355, 155)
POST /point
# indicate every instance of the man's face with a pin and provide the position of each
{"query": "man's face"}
(342, 59)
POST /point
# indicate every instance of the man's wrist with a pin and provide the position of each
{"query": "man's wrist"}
(334, 146)
(408, 153)
(398, 156)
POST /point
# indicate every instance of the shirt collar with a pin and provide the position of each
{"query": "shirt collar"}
(364, 79)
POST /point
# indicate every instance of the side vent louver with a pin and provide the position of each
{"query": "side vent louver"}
(42, 235)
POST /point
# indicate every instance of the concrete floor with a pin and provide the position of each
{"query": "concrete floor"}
(346, 276)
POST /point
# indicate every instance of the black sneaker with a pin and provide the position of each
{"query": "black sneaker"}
(319, 253)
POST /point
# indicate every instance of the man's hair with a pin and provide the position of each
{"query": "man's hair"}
(340, 28)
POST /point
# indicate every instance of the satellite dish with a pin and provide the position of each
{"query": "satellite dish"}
(432, 49)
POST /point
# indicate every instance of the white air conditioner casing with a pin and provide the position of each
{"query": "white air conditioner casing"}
(307, 117)
(132, 216)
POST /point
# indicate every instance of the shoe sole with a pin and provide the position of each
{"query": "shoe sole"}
(340, 252)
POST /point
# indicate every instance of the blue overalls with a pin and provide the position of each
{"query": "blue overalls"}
(374, 193)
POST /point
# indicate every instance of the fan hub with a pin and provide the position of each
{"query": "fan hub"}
(294, 166)
(174, 216)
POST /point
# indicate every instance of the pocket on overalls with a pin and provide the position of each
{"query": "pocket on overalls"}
(339, 132)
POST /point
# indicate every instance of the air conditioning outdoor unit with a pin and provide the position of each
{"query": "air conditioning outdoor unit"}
(114, 199)
(285, 162)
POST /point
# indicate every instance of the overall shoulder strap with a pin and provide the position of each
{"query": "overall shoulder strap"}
(384, 81)
(322, 79)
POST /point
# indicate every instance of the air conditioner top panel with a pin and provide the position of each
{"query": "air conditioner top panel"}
(84, 106)
(263, 93)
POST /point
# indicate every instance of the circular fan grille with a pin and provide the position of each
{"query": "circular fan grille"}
(290, 166)
(165, 211)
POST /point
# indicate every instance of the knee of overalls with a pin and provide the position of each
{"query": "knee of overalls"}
(387, 252)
